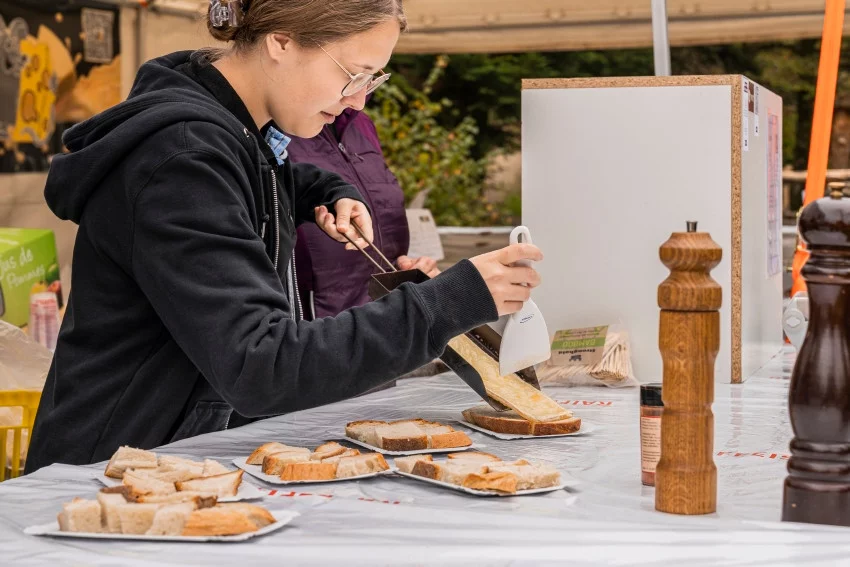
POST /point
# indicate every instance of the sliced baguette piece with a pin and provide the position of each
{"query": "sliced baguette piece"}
(499, 481)
(257, 514)
(137, 519)
(346, 453)
(510, 390)
(406, 464)
(327, 450)
(473, 456)
(170, 519)
(129, 458)
(218, 521)
(364, 431)
(360, 465)
(401, 437)
(309, 470)
(222, 485)
(141, 485)
(213, 468)
(529, 476)
(199, 499)
(512, 423)
(80, 515)
(275, 463)
(109, 505)
(256, 458)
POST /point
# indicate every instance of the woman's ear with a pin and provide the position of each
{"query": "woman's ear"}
(278, 45)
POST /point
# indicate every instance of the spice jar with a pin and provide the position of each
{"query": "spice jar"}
(651, 407)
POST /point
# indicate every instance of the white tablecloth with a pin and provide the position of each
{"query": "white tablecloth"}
(608, 520)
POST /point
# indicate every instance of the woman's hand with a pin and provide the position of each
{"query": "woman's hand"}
(509, 285)
(423, 263)
(338, 226)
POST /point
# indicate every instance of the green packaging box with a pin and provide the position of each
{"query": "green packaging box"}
(28, 265)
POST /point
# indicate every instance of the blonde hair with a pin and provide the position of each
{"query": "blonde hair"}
(308, 22)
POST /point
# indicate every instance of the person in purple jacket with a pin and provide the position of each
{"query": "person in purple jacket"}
(330, 278)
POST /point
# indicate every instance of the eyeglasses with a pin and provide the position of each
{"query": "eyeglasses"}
(361, 80)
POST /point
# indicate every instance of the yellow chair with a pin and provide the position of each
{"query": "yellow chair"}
(27, 400)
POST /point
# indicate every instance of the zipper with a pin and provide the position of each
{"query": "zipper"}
(276, 218)
(227, 423)
(349, 154)
(300, 311)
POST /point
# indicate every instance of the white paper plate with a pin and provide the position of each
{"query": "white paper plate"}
(586, 429)
(246, 491)
(459, 488)
(257, 472)
(283, 517)
(414, 452)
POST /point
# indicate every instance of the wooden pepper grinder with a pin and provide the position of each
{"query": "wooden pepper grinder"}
(817, 489)
(689, 338)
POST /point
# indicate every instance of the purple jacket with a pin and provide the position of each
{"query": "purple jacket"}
(337, 278)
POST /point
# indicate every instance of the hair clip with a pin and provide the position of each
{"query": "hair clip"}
(226, 12)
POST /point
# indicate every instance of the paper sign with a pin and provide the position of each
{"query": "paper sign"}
(424, 238)
(582, 347)
(774, 195)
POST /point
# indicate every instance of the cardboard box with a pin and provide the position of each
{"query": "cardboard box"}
(28, 265)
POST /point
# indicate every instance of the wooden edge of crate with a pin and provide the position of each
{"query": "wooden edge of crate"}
(613, 82)
(737, 236)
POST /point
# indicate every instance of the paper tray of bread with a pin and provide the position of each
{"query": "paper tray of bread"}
(149, 475)
(407, 437)
(197, 519)
(509, 425)
(277, 463)
(484, 474)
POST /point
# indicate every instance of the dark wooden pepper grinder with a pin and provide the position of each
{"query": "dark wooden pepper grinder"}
(817, 489)
(689, 338)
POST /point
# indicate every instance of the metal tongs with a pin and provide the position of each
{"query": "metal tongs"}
(375, 248)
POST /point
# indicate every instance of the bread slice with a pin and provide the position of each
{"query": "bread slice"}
(129, 458)
(119, 489)
(346, 453)
(512, 423)
(428, 469)
(137, 519)
(168, 474)
(257, 514)
(275, 463)
(456, 472)
(364, 431)
(406, 464)
(140, 485)
(309, 470)
(170, 519)
(198, 499)
(401, 437)
(267, 449)
(327, 450)
(498, 481)
(473, 456)
(511, 390)
(109, 504)
(222, 485)
(218, 521)
(171, 463)
(360, 465)
(529, 476)
(448, 440)
(80, 515)
(213, 468)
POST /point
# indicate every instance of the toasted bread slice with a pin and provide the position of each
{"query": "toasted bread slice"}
(498, 481)
(141, 485)
(346, 453)
(199, 499)
(327, 450)
(428, 469)
(448, 440)
(401, 437)
(80, 515)
(218, 521)
(529, 476)
(275, 463)
(309, 470)
(510, 422)
(109, 504)
(213, 468)
(360, 465)
(129, 458)
(257, 514)
(406, 464)
(137, 519)
(170, 519)
(222, 485)
(473, 456)
(364, 431)
(267, 449)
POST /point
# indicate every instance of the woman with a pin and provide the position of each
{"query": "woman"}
(330, 279)
(182, 319)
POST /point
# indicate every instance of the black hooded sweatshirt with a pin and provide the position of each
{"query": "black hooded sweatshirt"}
(179, 321)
